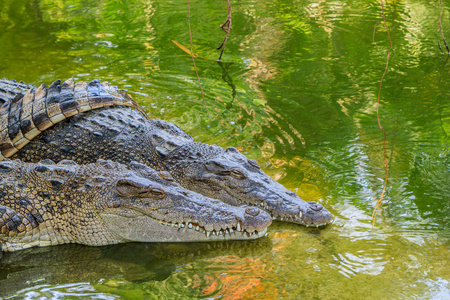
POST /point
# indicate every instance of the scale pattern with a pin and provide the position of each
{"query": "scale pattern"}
(26, 111)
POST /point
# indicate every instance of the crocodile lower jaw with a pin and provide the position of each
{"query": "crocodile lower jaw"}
(147, 229)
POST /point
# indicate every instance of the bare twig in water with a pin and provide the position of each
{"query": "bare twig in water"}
(437, 39)
(193, 61)
(374, 30)
(442, 32)
(227, 28)
(385, 161)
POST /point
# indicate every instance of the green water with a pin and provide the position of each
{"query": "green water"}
(296, 90)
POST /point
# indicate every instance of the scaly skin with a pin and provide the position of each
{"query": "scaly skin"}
(107, 203)
(25, 116)
(122, 134)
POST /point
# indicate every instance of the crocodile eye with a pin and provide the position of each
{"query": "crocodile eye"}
(237, 173)
(140, 187)
(131, 186)
(157, 193)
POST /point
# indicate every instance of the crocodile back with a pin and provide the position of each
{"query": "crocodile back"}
(26, 111)
(9, 89)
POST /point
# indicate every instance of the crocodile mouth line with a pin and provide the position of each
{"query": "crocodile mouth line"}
(228, 232)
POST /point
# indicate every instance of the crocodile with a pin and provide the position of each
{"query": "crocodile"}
(85, 131)
(106, 202)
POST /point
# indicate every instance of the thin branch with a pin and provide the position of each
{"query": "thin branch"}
(385, 161)
(193, 60)
(437, 39)
(226, 26)
(442, 32)
(374, 30)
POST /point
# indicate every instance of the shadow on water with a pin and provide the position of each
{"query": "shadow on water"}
(37, 268)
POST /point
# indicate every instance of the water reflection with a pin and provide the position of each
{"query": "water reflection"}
(38, 271)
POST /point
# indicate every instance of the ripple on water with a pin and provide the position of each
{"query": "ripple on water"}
(80, 290)
(190, 283)
(349, 264)
(225, 277)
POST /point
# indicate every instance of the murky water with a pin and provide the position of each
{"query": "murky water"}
(297, 91)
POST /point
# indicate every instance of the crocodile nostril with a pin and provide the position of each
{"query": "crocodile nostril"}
(252, 211)
(315, 206)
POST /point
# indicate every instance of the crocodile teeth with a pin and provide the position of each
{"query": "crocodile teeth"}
(218, 233)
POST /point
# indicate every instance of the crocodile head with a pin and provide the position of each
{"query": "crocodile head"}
(106, 202)
(148, 206)
(228, 175)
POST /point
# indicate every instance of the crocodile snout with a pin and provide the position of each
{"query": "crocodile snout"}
(252, 211)
(254, 219)
(316, 215)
